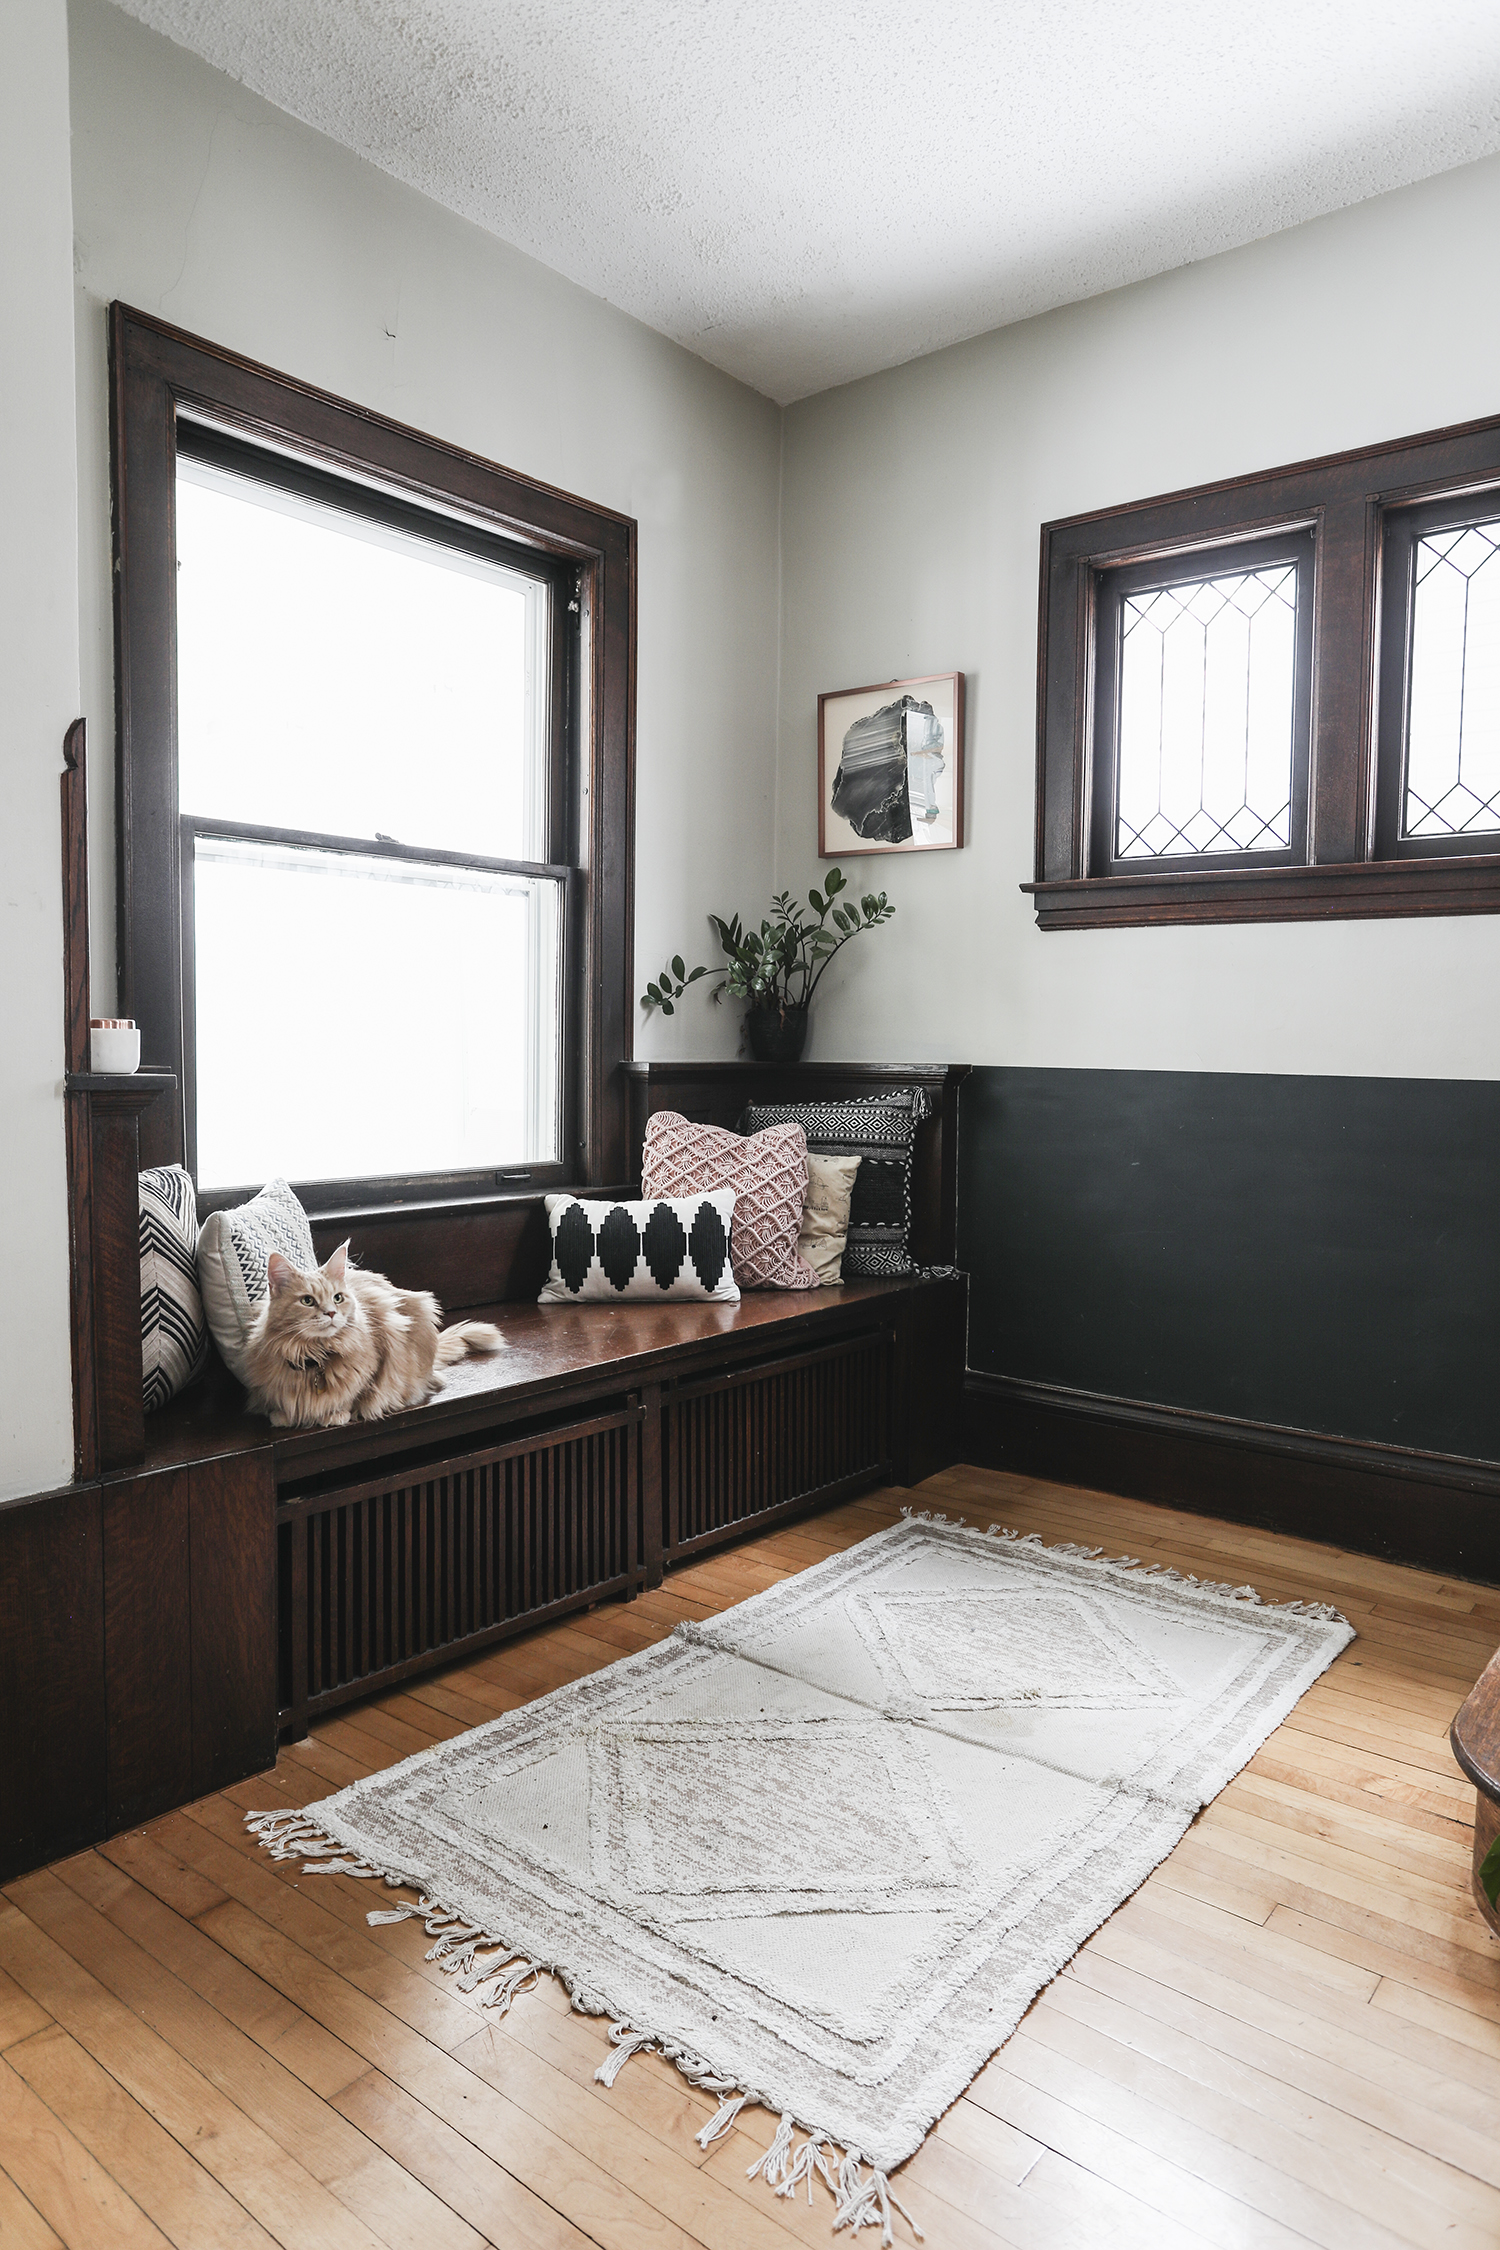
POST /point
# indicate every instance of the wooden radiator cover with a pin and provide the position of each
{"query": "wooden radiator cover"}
(390, 1577)
(756, 1442)
(429, 1561)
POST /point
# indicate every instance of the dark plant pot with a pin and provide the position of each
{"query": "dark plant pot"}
(777, 1034)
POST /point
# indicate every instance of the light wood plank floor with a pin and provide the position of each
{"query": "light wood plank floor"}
(1291, 2033)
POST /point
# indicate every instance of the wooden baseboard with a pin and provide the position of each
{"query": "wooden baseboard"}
(1431, 1509)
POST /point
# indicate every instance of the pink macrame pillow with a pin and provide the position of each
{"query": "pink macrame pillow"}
(768, 1172)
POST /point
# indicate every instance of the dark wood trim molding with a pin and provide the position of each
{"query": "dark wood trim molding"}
(1347, 501)
(52, 1775)
(1347, 892)
(75, 894)
(1432, 1509)
(105, 1117)
(158, 373)
(75, 876)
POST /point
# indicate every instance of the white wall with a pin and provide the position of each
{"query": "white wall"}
(908, 544)
(39, 668)
(912, 509)
(198, 202)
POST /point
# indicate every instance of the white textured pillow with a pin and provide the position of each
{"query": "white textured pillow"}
(174, 1335)
(664, 1247)
(234, 1250)
(824, 1231)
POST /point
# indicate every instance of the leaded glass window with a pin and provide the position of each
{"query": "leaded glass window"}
(1453, 724)
(1200, 739)
(1206, 696)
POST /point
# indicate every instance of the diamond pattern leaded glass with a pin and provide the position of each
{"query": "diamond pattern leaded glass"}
(1453, 727)
(1207, 689)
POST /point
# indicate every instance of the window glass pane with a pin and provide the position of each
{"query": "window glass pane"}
(1453, 730)
(358, 1017)
(1207, 692)
(339, 676)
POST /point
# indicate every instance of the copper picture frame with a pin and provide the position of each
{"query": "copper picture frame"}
(891, 767)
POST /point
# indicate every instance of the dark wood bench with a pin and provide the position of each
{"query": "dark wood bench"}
(602, 1445)
(169, 1619)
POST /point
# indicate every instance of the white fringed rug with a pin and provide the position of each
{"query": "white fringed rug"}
(825, 1849)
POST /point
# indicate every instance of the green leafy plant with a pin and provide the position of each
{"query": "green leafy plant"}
(781, 964)
(1489, 1874)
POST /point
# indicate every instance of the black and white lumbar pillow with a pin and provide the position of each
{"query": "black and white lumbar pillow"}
(667, 1246)
(174, 1333)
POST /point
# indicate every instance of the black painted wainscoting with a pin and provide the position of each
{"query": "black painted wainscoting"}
(1273, 1299)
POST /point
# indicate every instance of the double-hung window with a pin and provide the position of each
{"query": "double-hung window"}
(1278, 698)
(369, 702)
(374, 793)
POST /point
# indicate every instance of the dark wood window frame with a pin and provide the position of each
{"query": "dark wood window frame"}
(159, 375)
(1354, 502)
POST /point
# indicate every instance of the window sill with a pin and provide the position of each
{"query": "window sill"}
(357, 1207)
(1350, 891)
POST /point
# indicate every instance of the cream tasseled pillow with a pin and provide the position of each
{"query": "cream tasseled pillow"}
(825, 1215)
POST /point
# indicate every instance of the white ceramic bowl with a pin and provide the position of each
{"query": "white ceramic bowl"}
(115, 1051)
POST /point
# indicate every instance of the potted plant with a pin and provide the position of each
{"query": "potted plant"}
(778, 967)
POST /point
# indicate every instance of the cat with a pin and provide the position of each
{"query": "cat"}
(337, 1345)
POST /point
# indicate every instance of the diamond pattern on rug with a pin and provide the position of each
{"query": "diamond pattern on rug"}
(679, 1812)
(982, 1649)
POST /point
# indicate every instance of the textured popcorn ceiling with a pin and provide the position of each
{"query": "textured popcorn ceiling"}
(803, 191)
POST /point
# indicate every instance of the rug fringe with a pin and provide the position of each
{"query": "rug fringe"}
(723, 2118)
(865, 2200)
(862, 2195)
(1160, 1574)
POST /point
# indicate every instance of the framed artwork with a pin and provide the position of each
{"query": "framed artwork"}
(891, 767)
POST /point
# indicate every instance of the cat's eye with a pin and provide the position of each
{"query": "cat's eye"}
(338, 1296)
(307, 1300)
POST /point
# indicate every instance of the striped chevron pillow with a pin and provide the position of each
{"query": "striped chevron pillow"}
(174, 1334)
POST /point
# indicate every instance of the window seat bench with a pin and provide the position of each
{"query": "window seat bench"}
(249, 1579)
(169, 1617)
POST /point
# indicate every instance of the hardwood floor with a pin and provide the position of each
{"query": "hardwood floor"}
(1290, 2034)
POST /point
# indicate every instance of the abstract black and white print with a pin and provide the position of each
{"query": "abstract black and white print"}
(888, 769)
(891, 766)
(664, 1247)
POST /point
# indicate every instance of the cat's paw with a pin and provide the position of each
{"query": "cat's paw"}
(337, 1421)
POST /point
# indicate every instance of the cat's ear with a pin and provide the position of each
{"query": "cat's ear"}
(336, 1265)
(281, 1274)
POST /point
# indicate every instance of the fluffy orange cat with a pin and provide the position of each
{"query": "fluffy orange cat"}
(337, 1345)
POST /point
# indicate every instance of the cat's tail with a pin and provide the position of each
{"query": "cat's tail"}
(467, 1336)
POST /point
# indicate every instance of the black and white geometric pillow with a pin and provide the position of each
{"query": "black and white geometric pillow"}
(882, 1134)
(174, 1333)
(666, 1247)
